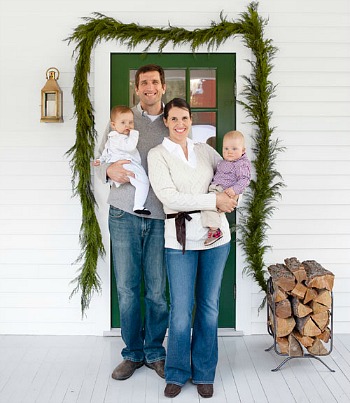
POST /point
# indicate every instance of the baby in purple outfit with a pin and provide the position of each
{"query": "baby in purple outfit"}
(232, 176)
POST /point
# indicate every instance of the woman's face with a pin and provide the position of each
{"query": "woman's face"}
(179, 123)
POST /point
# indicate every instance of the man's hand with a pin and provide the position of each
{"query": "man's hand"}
(225, 203)
(118, 173)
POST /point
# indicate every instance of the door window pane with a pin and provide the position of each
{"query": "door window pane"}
(175, 84)
(203, 88)
(204, 127)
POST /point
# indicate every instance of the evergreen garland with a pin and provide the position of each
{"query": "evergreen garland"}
(263, 191)
(258, 91)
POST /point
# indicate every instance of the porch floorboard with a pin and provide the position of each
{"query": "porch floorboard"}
(77, 369)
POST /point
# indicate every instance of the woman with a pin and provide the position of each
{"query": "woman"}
(180, 173)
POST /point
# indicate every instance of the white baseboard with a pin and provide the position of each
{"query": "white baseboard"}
(222, 332)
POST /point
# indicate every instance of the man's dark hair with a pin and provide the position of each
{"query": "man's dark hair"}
(146, 69)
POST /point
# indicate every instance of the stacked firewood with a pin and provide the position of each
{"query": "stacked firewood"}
(300, 306)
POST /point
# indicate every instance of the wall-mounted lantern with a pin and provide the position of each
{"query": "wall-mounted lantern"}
(51, 98)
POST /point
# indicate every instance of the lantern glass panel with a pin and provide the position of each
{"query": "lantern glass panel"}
(50, 104)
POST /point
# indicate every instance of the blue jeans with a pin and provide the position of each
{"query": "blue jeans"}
(138, 253)
(194, 277)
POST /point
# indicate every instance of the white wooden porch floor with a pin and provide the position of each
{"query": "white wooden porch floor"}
(57, 369)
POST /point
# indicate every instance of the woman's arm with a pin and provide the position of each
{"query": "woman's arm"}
(166, 191)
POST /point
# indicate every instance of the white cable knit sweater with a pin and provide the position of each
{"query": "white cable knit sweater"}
(181, 187)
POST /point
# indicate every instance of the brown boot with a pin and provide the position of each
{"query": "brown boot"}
(125, 369)
(158, 366)
(205, 389)
(171, 390)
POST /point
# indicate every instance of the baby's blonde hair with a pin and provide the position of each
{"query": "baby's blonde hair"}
(117, 110)
(235, 134)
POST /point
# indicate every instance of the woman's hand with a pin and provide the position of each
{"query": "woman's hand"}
(225, 203)
(118, 173)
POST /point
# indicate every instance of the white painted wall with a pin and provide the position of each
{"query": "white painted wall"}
(39, 221)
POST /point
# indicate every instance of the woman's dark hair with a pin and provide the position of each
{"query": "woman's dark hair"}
(176, 103)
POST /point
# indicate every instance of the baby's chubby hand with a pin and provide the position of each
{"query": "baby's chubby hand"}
(230, 192)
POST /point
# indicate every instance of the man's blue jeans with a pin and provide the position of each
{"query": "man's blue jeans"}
(194, 276)
(138, 253)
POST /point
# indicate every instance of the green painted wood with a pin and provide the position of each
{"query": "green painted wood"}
(225, 109)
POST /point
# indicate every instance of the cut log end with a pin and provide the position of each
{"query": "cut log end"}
(318, 276)
(318, 348)
(295, 348)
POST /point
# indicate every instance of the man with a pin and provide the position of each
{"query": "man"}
(138, 241)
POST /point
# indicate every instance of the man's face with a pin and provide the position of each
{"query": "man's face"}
(150, 89)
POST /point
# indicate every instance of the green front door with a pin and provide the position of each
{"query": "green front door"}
(207, 82)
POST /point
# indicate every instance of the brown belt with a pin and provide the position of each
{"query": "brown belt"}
(180, 224)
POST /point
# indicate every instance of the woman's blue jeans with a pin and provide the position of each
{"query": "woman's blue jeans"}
(138, 253)
(194, 277)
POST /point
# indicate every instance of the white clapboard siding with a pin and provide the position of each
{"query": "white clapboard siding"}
(312, 168)
(308, 227)
(58, 182)
(29, 153)
(299, 78)
(327, 182)
(41, 196)
(49, 242)
(39, 218)
(38, 256)
(315, 94)
(40, 226)
(302, 153)
(309, 138)
(36, 212)
(31, 300)
(38, 271)
(45, 168)
(304, 211)
(316, 197)
(328, 257)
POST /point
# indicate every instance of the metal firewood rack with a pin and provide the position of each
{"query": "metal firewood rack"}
(271, 311)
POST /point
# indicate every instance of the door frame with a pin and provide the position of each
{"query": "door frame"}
(100, 311)
(224, 65)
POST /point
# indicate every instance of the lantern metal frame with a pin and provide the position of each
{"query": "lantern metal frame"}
(51, 98)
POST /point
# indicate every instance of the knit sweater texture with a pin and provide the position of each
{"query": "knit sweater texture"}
(181, 187)
(151, 134)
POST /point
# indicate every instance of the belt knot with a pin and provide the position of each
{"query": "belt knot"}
(180, 224)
